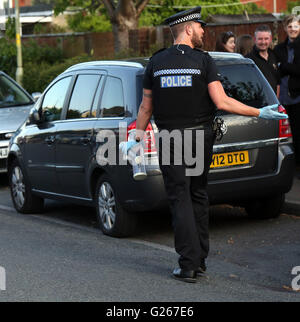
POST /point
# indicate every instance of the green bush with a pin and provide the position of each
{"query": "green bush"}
(35, 53)
(31, 53)
(291, 5)
(89, 22)
(38, 76)
(8, 56)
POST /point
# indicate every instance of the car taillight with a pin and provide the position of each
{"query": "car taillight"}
(284, 125)
(149, 137)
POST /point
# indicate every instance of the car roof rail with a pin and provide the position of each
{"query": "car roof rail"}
(218, 54)
(99, 63)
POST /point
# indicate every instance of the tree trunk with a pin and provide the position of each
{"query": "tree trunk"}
(124, 16)
(121, 27)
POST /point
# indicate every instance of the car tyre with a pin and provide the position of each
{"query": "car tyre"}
(266, 208)
(112, 218)
(23, 199)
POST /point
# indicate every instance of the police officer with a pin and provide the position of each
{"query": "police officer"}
(182, 90)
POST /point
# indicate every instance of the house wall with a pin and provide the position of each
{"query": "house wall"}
(269, 5)
(23, 3)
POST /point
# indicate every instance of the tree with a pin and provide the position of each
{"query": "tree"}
(158, 10)
(123, 15)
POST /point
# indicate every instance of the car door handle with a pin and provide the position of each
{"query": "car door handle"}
(50, 140)
(85, 140)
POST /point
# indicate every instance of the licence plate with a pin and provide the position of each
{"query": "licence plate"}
(3, 153)
(229, 159)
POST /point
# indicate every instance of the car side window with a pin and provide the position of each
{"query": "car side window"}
(83, 96)
(112, 103)
(53, 101)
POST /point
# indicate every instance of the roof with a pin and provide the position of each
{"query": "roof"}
(100, 63)
(29, 14)
(141, 62)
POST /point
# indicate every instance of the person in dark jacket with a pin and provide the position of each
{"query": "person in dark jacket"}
(264, 57)
(288, 55)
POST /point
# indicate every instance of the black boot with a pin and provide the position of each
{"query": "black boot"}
(185, 275)
(202, 268)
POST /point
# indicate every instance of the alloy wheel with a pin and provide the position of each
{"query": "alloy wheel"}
(107, 205)
(18, 186)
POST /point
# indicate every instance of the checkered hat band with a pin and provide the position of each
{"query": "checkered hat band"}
(186, 18)
(177, 72)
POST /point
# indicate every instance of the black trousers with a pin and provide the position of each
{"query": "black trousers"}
(189, 205)
(294, 118)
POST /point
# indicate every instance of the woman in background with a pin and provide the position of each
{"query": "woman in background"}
(244, 44)
(226, 42)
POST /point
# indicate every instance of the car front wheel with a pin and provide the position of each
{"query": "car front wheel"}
(23, 199)
(113, 219)
(266, 208)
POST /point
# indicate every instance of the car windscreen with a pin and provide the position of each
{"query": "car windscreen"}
(11, 95)
(246, 84)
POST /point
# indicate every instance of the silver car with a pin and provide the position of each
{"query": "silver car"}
(54, 154)
(15, 105)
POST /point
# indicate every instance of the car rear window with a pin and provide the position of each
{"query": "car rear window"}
(243, 82)
(246, 84)
(11, 95)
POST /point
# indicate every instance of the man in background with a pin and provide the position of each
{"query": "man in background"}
(264, 57)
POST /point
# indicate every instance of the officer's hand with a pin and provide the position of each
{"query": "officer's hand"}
(270, 112)
(126, 146)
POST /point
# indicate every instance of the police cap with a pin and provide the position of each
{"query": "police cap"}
(193, 14)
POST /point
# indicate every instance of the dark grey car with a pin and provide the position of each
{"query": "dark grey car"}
(15, 105)
(54, 155)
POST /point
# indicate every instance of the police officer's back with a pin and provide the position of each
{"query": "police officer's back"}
(178, 77)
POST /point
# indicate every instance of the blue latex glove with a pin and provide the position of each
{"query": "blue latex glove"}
(126, 146)
(270, 112)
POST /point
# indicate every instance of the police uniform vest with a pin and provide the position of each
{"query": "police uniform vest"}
(178, 77)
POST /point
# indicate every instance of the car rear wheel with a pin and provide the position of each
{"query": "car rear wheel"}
(23, 199)
(113, 219)
(266, 208)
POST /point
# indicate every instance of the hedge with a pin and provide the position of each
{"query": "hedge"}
(41, 64)
(38, 76)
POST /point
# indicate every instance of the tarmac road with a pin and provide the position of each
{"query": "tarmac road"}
(61, 256)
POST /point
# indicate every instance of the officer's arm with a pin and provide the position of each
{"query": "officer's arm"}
(145, 113)
(226, 103)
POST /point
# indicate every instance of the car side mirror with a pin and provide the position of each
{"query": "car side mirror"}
(34, 117)
(36, 96)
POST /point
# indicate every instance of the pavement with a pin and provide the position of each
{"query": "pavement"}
(292, 198)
